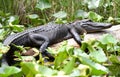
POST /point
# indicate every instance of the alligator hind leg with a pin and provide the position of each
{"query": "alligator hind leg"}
(38, 39)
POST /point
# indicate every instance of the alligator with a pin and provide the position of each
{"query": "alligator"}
(48, 34)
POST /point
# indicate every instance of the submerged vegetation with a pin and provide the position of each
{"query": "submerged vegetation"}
(95, 58)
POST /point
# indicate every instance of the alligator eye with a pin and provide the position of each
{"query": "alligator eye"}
(88, 20)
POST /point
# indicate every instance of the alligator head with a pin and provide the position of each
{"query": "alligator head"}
(90, 26)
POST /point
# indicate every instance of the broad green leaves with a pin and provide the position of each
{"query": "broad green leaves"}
(35, 19)
(60, 14)
(3, 49)
(93, 4)
(43, 4)
(8, 71)
(93, 59)
(63, 53)
(98, 55)
(90, 15)
(82, 71)
(94, 16)
(8, 25)
(68, 68)
(33, 16)
(81, 14)
(6, 18)
(30, 69)
(97, 69)
(16, 28)
(13, 19)
(108, 39)
(114, 59)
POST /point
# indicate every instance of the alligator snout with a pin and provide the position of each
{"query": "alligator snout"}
(95, 26)
(101, 25)
(108, 25)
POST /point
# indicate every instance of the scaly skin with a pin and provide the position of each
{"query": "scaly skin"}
(43, 36)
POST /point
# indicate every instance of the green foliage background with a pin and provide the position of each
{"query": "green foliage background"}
(46, 8)
(102, 58)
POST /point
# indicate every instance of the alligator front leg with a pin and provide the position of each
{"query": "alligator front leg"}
(38, 39)
(76, 36)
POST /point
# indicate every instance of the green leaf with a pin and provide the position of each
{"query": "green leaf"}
(114, 59)
(60, 21)
(115, 69)
(70, 50)
(96, 69)
(108, 39)
(3, 34)
(16, 28)
(31, 69)
(68, 68)
(93, 4)
(13, 20)
(8, 71)
(43, 4)
(81, 14)
(87, 45)
(81, 71)
(21, 48)
(84, 46)
(79, 52)
(98, 55)
(60, 14)
(17, 54)
(33, 16)
(60, 58)
(3, 49)
(94, 16)
(4, 14)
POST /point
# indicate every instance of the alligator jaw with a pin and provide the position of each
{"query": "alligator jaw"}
(95, 26)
